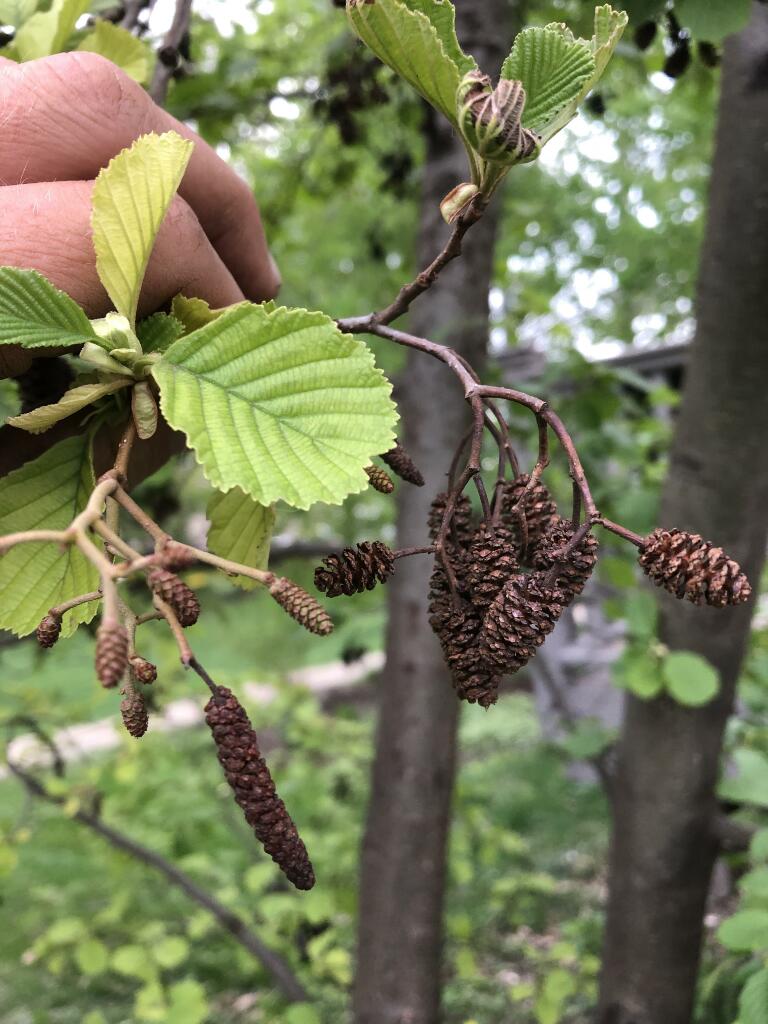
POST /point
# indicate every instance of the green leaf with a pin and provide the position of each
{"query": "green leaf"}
(46, 416)
(750, 785)
(16, 12)
(241, 530)
(46, 32)
(130, 199)
(587, 739)
(131, 961)
(280, 404)
(690, 679)
(187, 1003)
(754, 885)
(171, 951)
(9, 399)
(416, 38)
(753, 1001)
(121, 47)
(158, 332)
(36, 315)
(609, 28)
(553, 67)
(144, 410)
(193, 313)
(92, 957)
(149, 1004)
(46, 493)
(713, 20)
(301, 1013)
(746, 931)
(758, 848)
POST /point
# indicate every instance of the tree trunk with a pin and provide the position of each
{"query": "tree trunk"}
(663, 848)
(404, 849)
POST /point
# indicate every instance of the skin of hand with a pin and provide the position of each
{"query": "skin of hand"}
(62, 119)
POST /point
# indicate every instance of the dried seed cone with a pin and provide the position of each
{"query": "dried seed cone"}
(49, 630)
(247, 773)
(574, 573)
(143, 671)
(380, 480)
(111, 652)
(301, 606)
(355, 569)
(177, 594)
(462, 517)
(401, 463)
(692, 568)
(489, 561)
(134, 714)
(518, 622)
(480, 688)
(539, 510)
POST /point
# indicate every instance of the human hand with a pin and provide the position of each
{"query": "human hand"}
(63, 118)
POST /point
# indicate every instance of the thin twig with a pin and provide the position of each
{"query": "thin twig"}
(169, 52)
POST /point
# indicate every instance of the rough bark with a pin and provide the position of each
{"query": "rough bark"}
(663, 847)
(403, 856)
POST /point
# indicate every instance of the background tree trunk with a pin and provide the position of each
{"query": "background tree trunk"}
(403, 856)
(663, 849)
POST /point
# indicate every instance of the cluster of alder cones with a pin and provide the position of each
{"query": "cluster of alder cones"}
(499, 586)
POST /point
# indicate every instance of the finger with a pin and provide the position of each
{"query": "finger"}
(46, 227)
(68, 115)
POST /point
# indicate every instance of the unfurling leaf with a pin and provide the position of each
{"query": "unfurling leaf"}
(46, 494)
(121, 47)
(35, 314)
(280, 404)
(240, 530)
(144, 410)
(193, 313)
(46, 416)
(130, 199)
(158, 332)
(416, 38)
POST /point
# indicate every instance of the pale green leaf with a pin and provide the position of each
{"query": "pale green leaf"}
(758, 848)
(130, 199)
(46, 416)
(46, 493)
(424, 52)
(36, 315)
(144, 410)
(158, 332)
(553, 67)
(690, 679)
(301, 1013)
(170, 951)
(92, 957)
(131, 961)
(193, 313)
(240, 530)
(280, 404)
(753, 1001)
(711, 21)
(47, 32)
(754, 886)
(121, 47)
(187, 1003)
(746, 931)
(609, 28)
(750, 785)
(16, 12)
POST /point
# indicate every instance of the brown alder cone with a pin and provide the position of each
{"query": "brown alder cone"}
(247, 773)
(538, 507)
(49, 630)
(401, 463)
(489, 561)
(518, 622)
(693, 569)
(380, 480)
(355, 569)
(572, 575)
(462, 517)
(177, 594)
(111, 652)
(134, 714)
(143, 671)
(301, 606)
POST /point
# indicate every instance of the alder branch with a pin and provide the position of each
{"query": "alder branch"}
(168, 56)
(272, 962)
